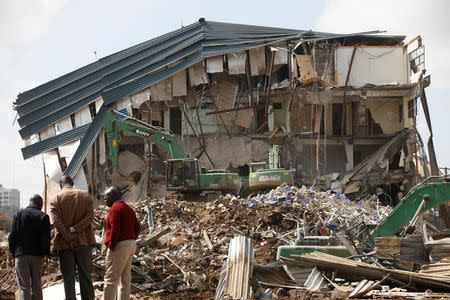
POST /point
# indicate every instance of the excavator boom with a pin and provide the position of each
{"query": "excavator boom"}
(431, 194)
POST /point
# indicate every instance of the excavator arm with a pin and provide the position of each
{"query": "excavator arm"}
(419, 199)
(143, 130)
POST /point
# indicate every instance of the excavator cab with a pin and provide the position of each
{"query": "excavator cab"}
(182, 174)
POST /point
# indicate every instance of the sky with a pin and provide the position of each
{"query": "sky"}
(41, 40)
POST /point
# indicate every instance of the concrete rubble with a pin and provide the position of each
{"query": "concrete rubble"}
(184, 247)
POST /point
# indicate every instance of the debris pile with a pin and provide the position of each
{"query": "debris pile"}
(184, 245)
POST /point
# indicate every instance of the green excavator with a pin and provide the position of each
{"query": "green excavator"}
(262, 178)
(183, 173)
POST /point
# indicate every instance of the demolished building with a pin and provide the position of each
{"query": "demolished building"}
(335, 103)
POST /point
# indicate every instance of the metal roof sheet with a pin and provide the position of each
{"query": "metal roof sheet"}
(87, 142)
(54, 141)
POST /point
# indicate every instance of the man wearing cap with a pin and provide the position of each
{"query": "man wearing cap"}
(29, 242)
(72, 213)
(122, 230)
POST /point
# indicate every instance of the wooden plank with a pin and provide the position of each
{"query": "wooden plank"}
(207, 240)
(353, 270)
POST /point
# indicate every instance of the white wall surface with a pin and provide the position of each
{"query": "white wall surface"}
(371, 65)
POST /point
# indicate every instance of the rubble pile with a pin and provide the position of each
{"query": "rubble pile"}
(184, 244)
(193, 236)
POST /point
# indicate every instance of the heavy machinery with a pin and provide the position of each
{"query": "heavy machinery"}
(422, 197)
(430, 193)
(182, 173)
(263, 178)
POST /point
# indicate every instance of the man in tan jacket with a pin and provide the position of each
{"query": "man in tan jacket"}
(72, 213)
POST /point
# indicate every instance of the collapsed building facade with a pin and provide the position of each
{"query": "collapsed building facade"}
(340, 104)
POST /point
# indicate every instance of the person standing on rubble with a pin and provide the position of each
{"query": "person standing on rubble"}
(122, 230)
(72, 213)
(29, 242)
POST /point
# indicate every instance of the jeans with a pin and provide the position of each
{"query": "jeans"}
(118, 267)
(28, 274)
(69, 260)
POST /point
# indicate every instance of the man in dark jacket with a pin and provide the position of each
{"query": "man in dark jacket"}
(29, 241)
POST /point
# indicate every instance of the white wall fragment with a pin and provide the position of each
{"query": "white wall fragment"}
(139, 98)
(197, 74)
(236, 63)
(179, 84)
(102, 149)
(369, 66)
(83, 117)
(98, 104)
(52, 166)
(68, 150)
(47, 132)
(64, 125)
(125, 103)
(80, 180)
(281, 56)
(258, 61)
(162, 91)
(214, 64)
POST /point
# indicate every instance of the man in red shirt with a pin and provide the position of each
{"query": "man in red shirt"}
(122, 230)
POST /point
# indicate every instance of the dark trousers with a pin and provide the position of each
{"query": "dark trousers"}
(69, 261)
(28, 273)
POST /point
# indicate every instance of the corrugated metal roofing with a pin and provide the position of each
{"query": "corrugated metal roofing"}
(55, 141)
(87, 142)
(131, 70)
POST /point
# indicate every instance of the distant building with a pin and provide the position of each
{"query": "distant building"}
(9, 197)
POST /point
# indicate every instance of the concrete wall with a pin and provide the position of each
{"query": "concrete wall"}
(387, 114)
(376, 65)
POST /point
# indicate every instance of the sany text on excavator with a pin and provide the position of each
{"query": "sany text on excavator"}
(182, 173)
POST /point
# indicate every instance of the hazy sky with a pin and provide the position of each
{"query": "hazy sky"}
(44, 39)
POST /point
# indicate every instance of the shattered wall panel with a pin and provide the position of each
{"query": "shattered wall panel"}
(192, 98)
(102, 147)
(208, 122)
(98, 104)
(224, 94)
(236, 63)
(124, 103)
(139, 98)
(162, 91)
(244, 118)
(52, 166)
(197, 74)
(369, 66)
(281, 56)
(236, 151)
(83, 117)
(64, 125)
(68, 150)
(305, 66)
(258, 61)
(214, 64)
(386, 113)
(47, 132)
(79, 181)
(179, 84)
